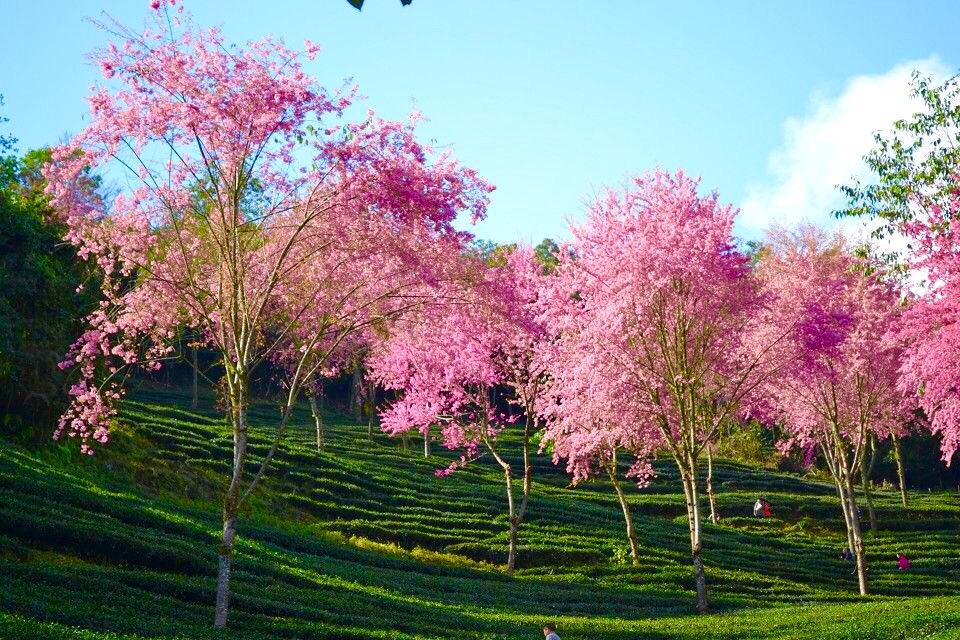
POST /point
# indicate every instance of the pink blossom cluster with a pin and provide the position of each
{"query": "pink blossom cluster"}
(930, 330)
(649, 311)
(253, 216)
(846, 315)
(451, 361)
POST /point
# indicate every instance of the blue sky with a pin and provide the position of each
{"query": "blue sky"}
(772, 103)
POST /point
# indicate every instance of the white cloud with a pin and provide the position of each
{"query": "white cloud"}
(825, 147)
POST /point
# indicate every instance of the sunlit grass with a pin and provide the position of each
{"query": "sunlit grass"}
(363, 541)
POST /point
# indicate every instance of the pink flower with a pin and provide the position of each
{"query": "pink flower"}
(312, 49)
(389, 212)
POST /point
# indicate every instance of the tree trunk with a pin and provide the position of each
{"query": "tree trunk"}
(511, 508)
(231, 500)
(865, 472)
(714, 516)
(625, 507)
(848, 503)
(515, 516)
(901, 477)
(857, 536)
(703, 604)
(356, 403)
(195, 401)
(688, 474)
(514, 523)
(372, 403)
(527, 470)
(225, 553)
(846, 515)
(316, 406)
(834, 461)
(426, 441)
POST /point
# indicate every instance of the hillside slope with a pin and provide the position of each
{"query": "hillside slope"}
(362, 541)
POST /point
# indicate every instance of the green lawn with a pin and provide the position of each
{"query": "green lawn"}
(363, 541)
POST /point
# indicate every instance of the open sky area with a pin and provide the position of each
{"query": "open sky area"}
(773, 104)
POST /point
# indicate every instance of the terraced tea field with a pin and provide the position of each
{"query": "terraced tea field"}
(362, 541)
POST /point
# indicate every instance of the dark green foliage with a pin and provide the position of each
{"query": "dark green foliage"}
(362, 541)
(40, 310)
(924, 465)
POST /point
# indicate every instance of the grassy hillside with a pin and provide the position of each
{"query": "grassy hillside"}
(362, 541)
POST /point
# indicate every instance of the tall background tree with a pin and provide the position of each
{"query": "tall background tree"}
(44, 293)
(931, 328)
(652, 304)
(841, 395)
(467, 366)
(915, 193)
(252, 220)
(915, 163)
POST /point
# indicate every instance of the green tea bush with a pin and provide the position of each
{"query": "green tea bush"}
(363, 541)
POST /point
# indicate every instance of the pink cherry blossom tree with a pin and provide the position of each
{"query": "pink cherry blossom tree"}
(600, 428)
(914, 193)
(650, 309)
(467, 365)
(931, 326)
(842, 392)
(247, 214)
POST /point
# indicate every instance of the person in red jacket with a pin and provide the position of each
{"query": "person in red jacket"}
(903, 563)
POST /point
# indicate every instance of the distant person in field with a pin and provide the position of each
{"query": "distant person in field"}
(550, 631)
(766, 509)
(847, 556)
(903, 563)
(758, 508)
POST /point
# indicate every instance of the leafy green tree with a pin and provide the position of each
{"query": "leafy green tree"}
(40, 306)
(915, 165)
